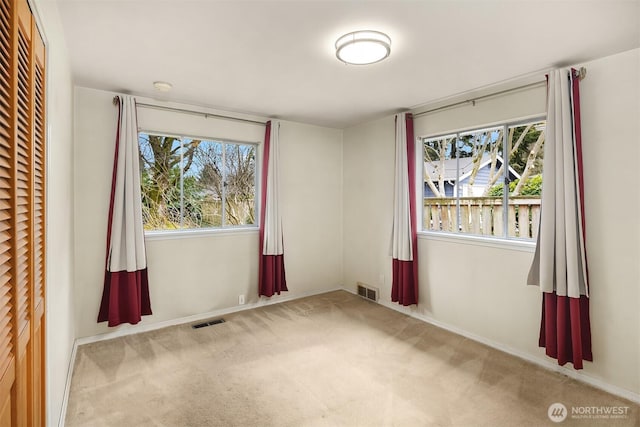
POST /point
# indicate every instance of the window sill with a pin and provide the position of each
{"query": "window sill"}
(192, 234)
(510, 244)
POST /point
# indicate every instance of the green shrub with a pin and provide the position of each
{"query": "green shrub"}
(531, 187)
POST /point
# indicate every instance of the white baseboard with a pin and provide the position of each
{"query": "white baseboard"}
(540, 361)
(67, 384)
(197, 317)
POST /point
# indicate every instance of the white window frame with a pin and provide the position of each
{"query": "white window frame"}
(501, 242)
(210, 231)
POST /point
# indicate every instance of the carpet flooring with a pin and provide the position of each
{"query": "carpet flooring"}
(328, 360)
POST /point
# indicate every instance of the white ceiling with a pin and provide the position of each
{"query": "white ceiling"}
(277, 58)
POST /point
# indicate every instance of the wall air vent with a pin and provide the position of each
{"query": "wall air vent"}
(368, 292)
(207, 323)
(362, 291)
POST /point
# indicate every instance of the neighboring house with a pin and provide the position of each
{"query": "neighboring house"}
(449, 169)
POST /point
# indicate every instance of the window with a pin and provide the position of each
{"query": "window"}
(192, 183)
(464, 175)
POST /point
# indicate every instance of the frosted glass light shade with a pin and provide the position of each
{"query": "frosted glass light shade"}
(363, 47)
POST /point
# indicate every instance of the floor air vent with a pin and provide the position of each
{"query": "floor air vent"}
(207, 323)
(367, 292)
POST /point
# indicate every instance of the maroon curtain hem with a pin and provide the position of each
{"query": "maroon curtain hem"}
(125, 298)
(404, 279)
(272, 275)
(565, 329)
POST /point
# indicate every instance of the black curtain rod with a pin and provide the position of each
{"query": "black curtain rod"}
(581, 73)
(197, 113)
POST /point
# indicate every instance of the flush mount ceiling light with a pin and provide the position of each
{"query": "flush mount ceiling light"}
(162, 86)
(363, 47)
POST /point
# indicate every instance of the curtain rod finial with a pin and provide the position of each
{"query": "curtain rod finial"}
(115, 100)
(583, 73)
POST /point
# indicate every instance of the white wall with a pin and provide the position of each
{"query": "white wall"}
(610, 98)
(479, 289)
(521, 104)
(196, 275)
(368, 193)
(60, 331)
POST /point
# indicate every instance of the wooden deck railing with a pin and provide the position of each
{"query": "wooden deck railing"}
(484, 216)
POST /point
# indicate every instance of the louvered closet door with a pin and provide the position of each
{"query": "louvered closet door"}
(37, 215)
(7, 351)
(22, 213)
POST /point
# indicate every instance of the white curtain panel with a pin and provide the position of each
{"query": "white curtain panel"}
(559, 263)
(272, 221)
(401, 244)
(127, 250)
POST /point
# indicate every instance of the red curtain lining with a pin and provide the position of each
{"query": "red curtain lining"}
(113, 182)
(271, 274)
(263, 180)
(577, 128)
(404, 289)
(125, 295)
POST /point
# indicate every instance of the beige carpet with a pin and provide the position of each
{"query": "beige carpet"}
(328, 360)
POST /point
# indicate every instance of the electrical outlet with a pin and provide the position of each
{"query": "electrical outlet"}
(240, 299)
